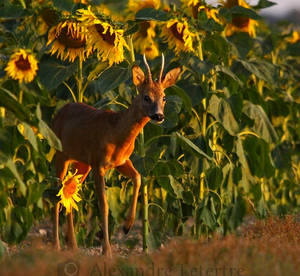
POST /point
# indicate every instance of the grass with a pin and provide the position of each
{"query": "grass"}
(264, 247)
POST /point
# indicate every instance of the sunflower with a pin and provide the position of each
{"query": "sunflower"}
(178, 36)
(69, 191)
(133, 6)
(47, 18)
(22, 66)
(143, 40)
(239, 23)
(193, 7)
(108, 41)
(69, 41)
(294, 38)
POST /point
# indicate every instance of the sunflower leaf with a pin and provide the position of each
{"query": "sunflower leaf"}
(111, 78)
(151, 14)
(53, 72)
(242, 11)
(264, 4)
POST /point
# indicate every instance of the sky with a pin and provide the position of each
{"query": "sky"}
(282, 8)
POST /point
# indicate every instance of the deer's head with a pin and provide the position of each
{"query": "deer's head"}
(152, 98)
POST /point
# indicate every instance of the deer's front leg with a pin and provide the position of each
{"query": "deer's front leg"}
(128, 170)
(104, 209)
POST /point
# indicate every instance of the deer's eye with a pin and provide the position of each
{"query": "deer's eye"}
(164, 99)
(147, 99)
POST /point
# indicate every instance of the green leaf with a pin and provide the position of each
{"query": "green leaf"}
(221, 110)
(207, 217)
(242, 11)
(176, 186)
(12, 167)
(243, 43)
(29, 134)
(171, 185)
(187, 142)
(11, 104)
(111, 78)
(47, 132)
(294, 49)
(2, 248)
(188, 197)
(172, 109)
(260, 68)
(264, 4)
(151, 14)
(115, 205)
(12, 11)
(216, 47)
(175, 90)
(66, 5)
(227, 71)
(214, 178)
(132, 29)
(53, 72)
(262, 125)
(258, 157)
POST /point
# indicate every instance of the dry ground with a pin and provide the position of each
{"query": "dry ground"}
(266, 247)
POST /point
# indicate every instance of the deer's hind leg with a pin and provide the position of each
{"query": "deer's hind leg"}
(61, 164)
(83, 169)
(104, 208)
(128, 170)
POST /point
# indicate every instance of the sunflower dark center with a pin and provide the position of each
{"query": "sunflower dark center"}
(107, 37)
(23, 64)
(50, 16)
(144, 26)
(240, 21)
(176, 33)
(71, 39)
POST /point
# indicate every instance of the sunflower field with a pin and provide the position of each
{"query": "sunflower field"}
(229, 145)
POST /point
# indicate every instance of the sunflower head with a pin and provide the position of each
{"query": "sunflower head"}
(193, 7)
(239, 23)
(47, 18)
(134, 6)
(143, 40)
(69, 41)
(294, 38)
(103, 37)
(178, 36)
(22, 66)
(69, 191)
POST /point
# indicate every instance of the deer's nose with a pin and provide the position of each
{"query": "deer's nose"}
(158, 117)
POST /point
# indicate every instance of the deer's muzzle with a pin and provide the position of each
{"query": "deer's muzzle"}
(158, 117)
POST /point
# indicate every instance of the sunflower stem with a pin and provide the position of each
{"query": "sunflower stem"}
(80, 81)
(200, 51)
(145, 216)
(2, 116)
(21, 96)
(132, 56)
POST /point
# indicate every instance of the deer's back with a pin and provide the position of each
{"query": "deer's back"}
(84, 129)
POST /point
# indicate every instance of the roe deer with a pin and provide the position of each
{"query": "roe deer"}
(100, 140)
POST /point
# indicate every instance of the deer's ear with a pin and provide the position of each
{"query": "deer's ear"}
(171, 77)
(138, 76)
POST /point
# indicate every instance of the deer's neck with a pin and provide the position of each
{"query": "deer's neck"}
(132, 121)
